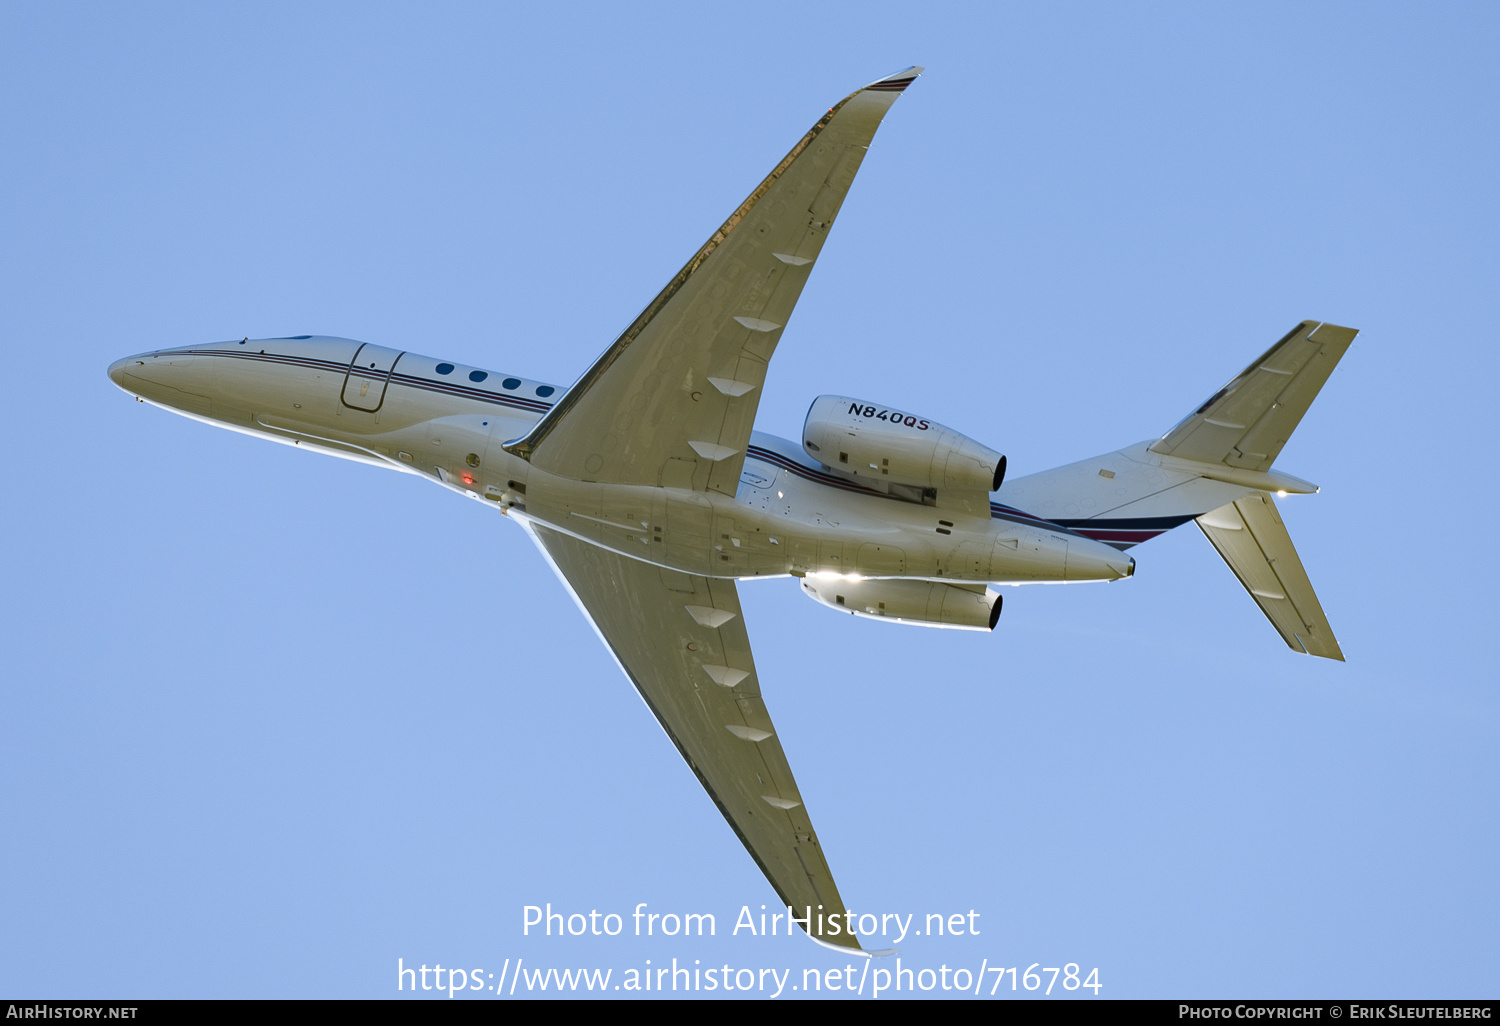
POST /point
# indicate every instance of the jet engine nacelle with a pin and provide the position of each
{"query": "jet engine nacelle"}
(877, 442)
(924, 603)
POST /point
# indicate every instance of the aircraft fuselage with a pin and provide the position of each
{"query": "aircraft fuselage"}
(448, 423)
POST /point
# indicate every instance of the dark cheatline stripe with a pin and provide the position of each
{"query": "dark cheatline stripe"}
(443, 387)
(1003, 512)
(1132, 523)
(1121, 533)
(997, 512)
(301, 361)
(776, 459)
(896, 86)
(464, 391)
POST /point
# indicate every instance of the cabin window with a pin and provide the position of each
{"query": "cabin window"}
(445, 368)
(477, 375)
(545, 390)
(511, 383)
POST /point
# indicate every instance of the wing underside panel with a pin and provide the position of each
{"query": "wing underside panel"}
(672, 401)
(683, 643)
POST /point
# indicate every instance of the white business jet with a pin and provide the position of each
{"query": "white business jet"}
(646, 489)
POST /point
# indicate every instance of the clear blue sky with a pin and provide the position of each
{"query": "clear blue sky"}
(270, 721)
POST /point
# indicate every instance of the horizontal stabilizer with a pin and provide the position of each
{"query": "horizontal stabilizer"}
(1246, 423)
(1251, 537)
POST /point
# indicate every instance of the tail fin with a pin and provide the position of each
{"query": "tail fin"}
(1213, 467)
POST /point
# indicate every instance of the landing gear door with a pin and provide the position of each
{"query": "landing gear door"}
(369, 373)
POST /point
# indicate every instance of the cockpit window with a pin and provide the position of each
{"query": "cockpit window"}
(545, 390)
(477, 375)
(511, 383)
(445, 368)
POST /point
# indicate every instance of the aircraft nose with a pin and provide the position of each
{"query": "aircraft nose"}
(179, 379)
(117, 371)
(142, 374)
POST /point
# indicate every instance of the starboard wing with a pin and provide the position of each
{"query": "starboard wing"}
(682, 642)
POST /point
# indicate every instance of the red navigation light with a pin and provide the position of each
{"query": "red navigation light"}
(468, 478)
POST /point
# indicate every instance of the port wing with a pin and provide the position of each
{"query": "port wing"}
(672, 401)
